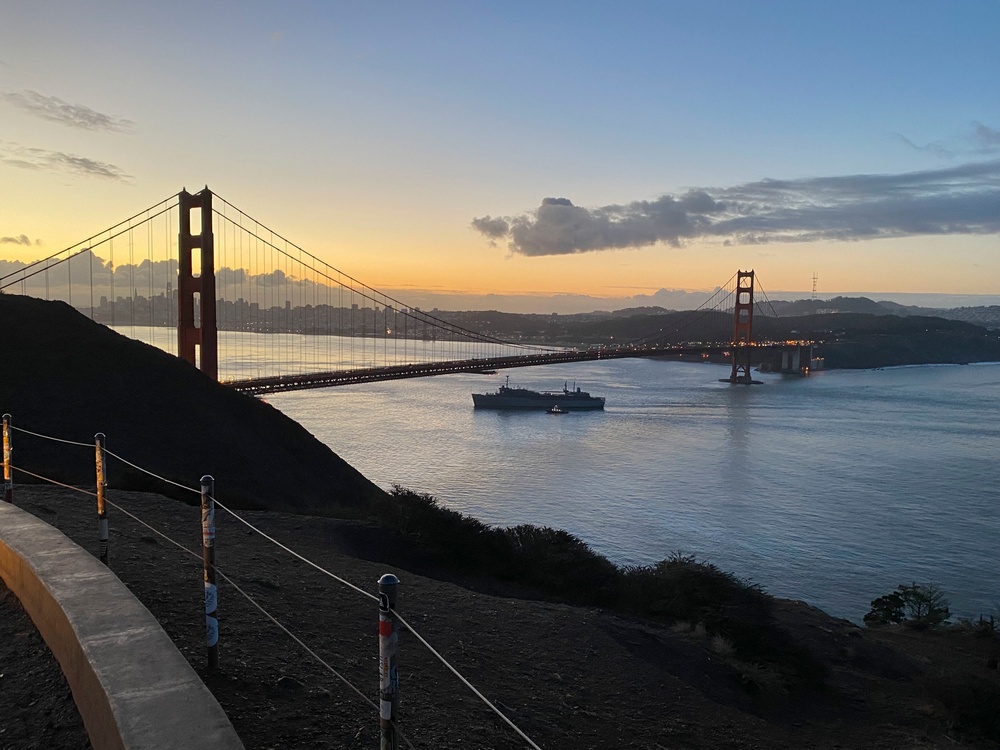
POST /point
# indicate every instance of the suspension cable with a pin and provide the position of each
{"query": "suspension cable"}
(88, 241)
(443, 324)
(760, 288)
(683, 321)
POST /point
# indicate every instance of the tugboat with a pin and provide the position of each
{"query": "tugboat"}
(556, 410)
(507, 397)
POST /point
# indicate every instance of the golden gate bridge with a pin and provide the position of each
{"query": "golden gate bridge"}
(256, 311)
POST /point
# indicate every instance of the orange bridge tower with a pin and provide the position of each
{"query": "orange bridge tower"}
(197, 329)
(742, 329)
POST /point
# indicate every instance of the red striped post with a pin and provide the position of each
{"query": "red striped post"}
(388, 649)
(102, 488)
(208, 556)
(8, 448)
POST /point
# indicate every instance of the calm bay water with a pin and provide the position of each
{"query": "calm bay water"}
(833, 488)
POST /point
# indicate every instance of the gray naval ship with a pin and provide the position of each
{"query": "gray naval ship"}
(507, 397)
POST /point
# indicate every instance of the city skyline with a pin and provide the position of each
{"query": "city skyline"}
(527, 154)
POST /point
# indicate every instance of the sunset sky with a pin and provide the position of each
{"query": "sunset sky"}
(526, 148)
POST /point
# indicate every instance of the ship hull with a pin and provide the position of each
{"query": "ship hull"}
(538, 401)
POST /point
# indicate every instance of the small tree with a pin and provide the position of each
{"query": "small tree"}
(886, 610)
(926, 606)
(914, 604)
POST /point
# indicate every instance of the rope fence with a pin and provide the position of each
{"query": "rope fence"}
(388, 615)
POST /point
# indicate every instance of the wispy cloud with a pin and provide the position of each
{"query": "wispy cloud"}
(21, 239)
(958, 200)
(75, 115)
(986, 138)
(58, 161)
(981, 139)
(937, 149)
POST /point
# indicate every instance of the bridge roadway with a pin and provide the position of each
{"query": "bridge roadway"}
(279, 383)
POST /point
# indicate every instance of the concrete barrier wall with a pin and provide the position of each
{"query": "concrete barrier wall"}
(132, 686)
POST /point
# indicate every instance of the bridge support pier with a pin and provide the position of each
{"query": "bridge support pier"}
(797, 359)
(197, 329)
(793, 359)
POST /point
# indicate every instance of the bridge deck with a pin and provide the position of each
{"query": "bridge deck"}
(279, 383)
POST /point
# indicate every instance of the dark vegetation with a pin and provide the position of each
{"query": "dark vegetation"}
(553, 564)
(853, 341)
(919, 606)
(972, 702)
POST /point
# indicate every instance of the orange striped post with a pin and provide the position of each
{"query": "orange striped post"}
(208, 557)
(8, 448)
(102, 489)
(388, 648)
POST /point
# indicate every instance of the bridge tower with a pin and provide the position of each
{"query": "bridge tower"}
(742, 329)
(197, 330)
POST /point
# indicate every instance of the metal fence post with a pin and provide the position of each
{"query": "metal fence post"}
(208, 555)
(8, 477)
(102, 488)
(388, 648)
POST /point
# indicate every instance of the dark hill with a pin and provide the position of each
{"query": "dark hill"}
(842, 305)
(66, 376)
(856, 340)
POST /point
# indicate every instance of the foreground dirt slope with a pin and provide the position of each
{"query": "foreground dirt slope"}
(569, 677)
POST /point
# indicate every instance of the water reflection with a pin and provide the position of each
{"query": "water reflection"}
(832, 489)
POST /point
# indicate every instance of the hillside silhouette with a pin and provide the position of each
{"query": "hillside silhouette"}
(68, 377)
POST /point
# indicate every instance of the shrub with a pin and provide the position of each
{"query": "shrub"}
(560, 566)
(920, 606)
(680, 589)
(560, 563)
(886, 610)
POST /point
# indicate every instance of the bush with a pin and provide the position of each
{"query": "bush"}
(886, 610)
(560, 566)
(916, 605)
(454, 538)
(681, 589)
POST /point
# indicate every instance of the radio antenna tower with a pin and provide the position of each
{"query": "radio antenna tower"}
(815, 279)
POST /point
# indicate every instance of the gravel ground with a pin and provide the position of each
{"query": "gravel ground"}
(567, 676)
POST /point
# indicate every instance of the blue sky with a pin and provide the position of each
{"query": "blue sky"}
(414, 145)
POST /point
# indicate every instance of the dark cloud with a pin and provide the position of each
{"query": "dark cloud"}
(58, 161)
(959, 200)
(21, 239)
(558, 227)
(492, 228)
(74, 115)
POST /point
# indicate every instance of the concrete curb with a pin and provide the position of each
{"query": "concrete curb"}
(132, 686)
